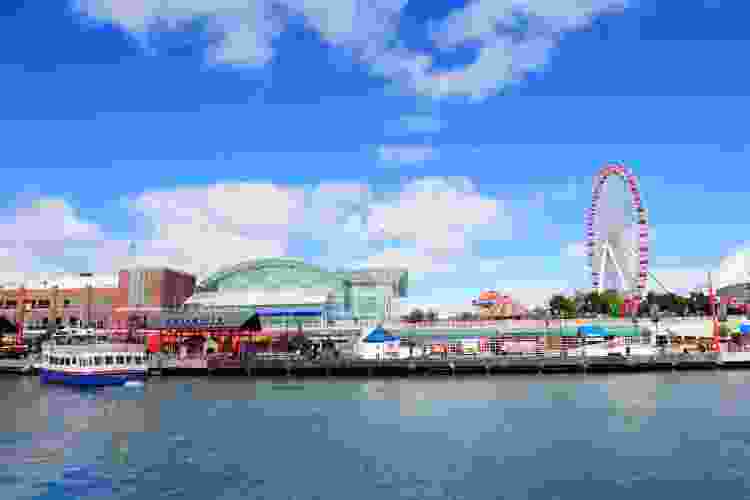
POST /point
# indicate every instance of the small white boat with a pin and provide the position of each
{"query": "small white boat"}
(85, 357)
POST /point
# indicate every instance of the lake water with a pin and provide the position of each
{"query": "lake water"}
(517, 437)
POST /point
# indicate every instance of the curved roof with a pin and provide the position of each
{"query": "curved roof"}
(266, 273)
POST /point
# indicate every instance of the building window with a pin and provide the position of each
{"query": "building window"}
(66, 302)
(98, 360)
(138, 360)
(100, 323)
(128, 359)
(108, 360)
(120, 360)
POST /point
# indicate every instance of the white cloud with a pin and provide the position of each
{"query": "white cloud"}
(416, 262)
(576, 250)
(200, 228)
(399, 154)
(440, 216)
(368, 31)
(735, 268)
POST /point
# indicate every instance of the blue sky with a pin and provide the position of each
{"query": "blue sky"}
(459, 138)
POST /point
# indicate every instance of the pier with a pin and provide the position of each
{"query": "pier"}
(456, 366)
(453, 366)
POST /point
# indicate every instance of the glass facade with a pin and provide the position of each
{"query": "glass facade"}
(341, 295)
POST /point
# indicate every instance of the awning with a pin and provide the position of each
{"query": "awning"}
(379, 335)
(266, 311)
(593, 331)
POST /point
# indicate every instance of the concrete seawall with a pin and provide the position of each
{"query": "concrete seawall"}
(430, 367)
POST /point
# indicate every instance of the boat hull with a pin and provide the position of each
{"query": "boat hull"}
(119, 378)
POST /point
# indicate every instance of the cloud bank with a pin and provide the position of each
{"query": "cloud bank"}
(511, 37)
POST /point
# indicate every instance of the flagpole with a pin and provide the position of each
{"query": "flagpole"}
(716, 339)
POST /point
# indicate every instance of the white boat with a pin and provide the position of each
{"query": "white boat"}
(87, 357)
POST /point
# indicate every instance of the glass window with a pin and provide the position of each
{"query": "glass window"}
(67, 361)
(138, 360)
(98, 360)
(128, 359)
(120, 360)
(46, 358)
(73, 361)
(108, 360)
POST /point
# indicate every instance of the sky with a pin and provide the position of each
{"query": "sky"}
(458, 139)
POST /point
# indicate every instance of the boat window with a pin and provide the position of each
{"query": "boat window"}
(98, 360)
(108, 360)
(120, 360)
(128, 359)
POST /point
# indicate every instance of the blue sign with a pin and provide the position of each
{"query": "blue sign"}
(593, 331)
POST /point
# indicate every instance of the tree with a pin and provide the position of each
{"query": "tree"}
(562, 305)
(612, 302)
(416, 315)
(593, 302)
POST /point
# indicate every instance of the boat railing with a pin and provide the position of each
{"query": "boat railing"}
(108, 347)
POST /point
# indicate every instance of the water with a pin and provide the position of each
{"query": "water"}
(518, 437)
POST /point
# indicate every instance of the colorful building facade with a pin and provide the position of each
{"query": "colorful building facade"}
(96, 301)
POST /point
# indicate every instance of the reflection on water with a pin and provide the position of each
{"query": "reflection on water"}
(475, 437)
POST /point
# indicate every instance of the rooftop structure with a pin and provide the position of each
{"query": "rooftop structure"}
(290, 287)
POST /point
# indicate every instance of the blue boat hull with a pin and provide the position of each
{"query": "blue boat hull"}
(55, 377)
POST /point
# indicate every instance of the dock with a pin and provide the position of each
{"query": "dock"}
(456, 366)
(496, 365)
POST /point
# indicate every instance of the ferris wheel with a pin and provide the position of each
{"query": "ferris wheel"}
(617, 233)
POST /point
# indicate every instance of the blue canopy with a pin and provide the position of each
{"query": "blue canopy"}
(592, 331)
(380, 335)
(745, 328)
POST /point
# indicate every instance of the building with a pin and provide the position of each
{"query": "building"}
(101, 300)
(493, 305)
(290, 293)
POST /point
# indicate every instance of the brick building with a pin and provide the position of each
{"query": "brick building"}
(102, 301)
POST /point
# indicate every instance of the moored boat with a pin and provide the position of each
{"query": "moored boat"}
(85, 357)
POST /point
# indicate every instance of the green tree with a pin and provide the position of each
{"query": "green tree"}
(562, 305)
(593, 302)
(613, 301)
(416, 314)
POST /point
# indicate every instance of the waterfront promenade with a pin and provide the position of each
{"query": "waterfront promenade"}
(456, 365)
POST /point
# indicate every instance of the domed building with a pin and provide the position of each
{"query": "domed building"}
(286, 291)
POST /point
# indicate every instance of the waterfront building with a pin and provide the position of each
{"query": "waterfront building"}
(291, 294)
(136, 296)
